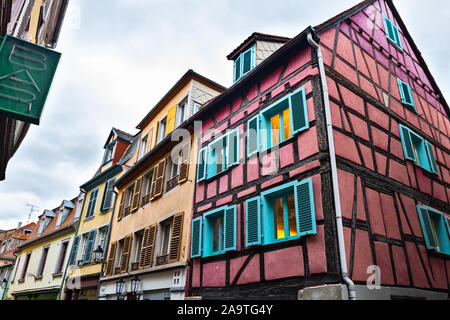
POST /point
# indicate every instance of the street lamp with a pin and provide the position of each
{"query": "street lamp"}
(119, 287)
(98, 254)
(135, 282)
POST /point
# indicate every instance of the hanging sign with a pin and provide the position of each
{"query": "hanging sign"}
(26, 74)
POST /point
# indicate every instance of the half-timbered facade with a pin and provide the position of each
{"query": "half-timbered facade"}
(325, 165)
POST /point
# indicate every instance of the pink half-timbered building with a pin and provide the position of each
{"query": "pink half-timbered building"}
(325, 168)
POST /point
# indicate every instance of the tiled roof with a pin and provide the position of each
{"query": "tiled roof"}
(256, 36)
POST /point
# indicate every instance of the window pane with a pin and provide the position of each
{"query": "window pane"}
(218, 235)
(287, 124)
(291, 215)
(247, 61)
(166, 238)
(219, 158)
(275, 129)
(278, 219)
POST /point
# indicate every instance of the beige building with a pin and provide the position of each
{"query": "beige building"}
(151, 224)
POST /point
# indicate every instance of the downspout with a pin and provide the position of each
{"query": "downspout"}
(334, 176)
(108, 238)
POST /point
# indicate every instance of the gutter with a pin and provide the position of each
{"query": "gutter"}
(334, 176)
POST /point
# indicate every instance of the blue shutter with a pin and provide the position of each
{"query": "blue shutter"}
(74, 251)
(196, 237)
(105, 249)
(427, 229)
(253, 222)
(431, 158)
(233, 148)
(304, 208)
(89, 246)
(407, 143)
(230, 229)
(211, 164)
(392, 33)
(447, 224)
(201, 166)
(298, 112)
(253, 136)
(237, 69)
(406, 94)
(108, 195)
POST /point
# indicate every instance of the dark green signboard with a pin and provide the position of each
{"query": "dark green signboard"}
(26, 74)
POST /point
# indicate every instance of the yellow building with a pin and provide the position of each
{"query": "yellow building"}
(42, 259)
(97, 204)
(149, 231)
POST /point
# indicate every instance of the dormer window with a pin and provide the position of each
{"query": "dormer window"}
(244, 63)
(108, 154)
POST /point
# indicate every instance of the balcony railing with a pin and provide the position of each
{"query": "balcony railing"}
(172, 184)
(162, 260)
(135, 266)
(146, 199)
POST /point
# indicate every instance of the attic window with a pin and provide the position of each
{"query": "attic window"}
(244, 63)
(108, 154)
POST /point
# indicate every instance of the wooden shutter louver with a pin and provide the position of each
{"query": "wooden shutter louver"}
(299, 112)
(253, 222)
(201, 165)
(111, 259)
(304, 206)
(136, 195)
(148, 247)
(121, 207)
(432, 158)
(184, 166)
(73, 253)
(428, 234)
(230, 229)
(196, 237)
(175, 240)
(126, 253)
(90, 246)
(407, 143)
(158, 182)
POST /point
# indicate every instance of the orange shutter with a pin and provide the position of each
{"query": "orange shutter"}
(158, 179)
(175, 240)
(111, 259)
(148, 259)
(137, 195)
(171, 116)
(126, 253)
(184, 165)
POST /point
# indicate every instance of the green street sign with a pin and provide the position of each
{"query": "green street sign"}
(26, 74)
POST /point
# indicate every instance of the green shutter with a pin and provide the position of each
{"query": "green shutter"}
(73, 253)
(304, 208)
(253, 136)
(237, 69)
(89, 246)
(233, 148)
(406, 95)
(299, 112)
(201, 166)
(392, 33)
(447, 224)
(428, 234)
(196, 238)
(407, 143)
(253, 222)
(431, 158)
(230, 229)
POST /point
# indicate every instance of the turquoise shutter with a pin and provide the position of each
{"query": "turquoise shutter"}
(89, 246)
(299, 112)
(237, 69)
(253, 136)
(196, 237)
(304, 208)
(431, 158)
(447, 224)
(211, 165)
(428, 234)
(253, 222)
(201, 166)
(407, 143)
(233, 148)
(230, 229)
(406, 94)
(73, 253)
(397, 40)
(392, 32)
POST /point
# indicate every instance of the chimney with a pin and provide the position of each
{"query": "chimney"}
(19, 226)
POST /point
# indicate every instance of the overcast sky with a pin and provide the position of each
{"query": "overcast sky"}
(119, 58)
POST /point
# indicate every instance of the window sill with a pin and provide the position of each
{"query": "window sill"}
(38, 278)
(57, 275)
(276, 241)
(89, 219)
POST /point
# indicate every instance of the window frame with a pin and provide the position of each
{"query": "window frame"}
(411, 106)
(239, 61)
(161, 133)
(427, 157)
(396, 33)
(441, 237)
(42, 262)
(143, 147)
(62, 257)
(111, 147)
(207, 232)
(92, 204)
(105, 193)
